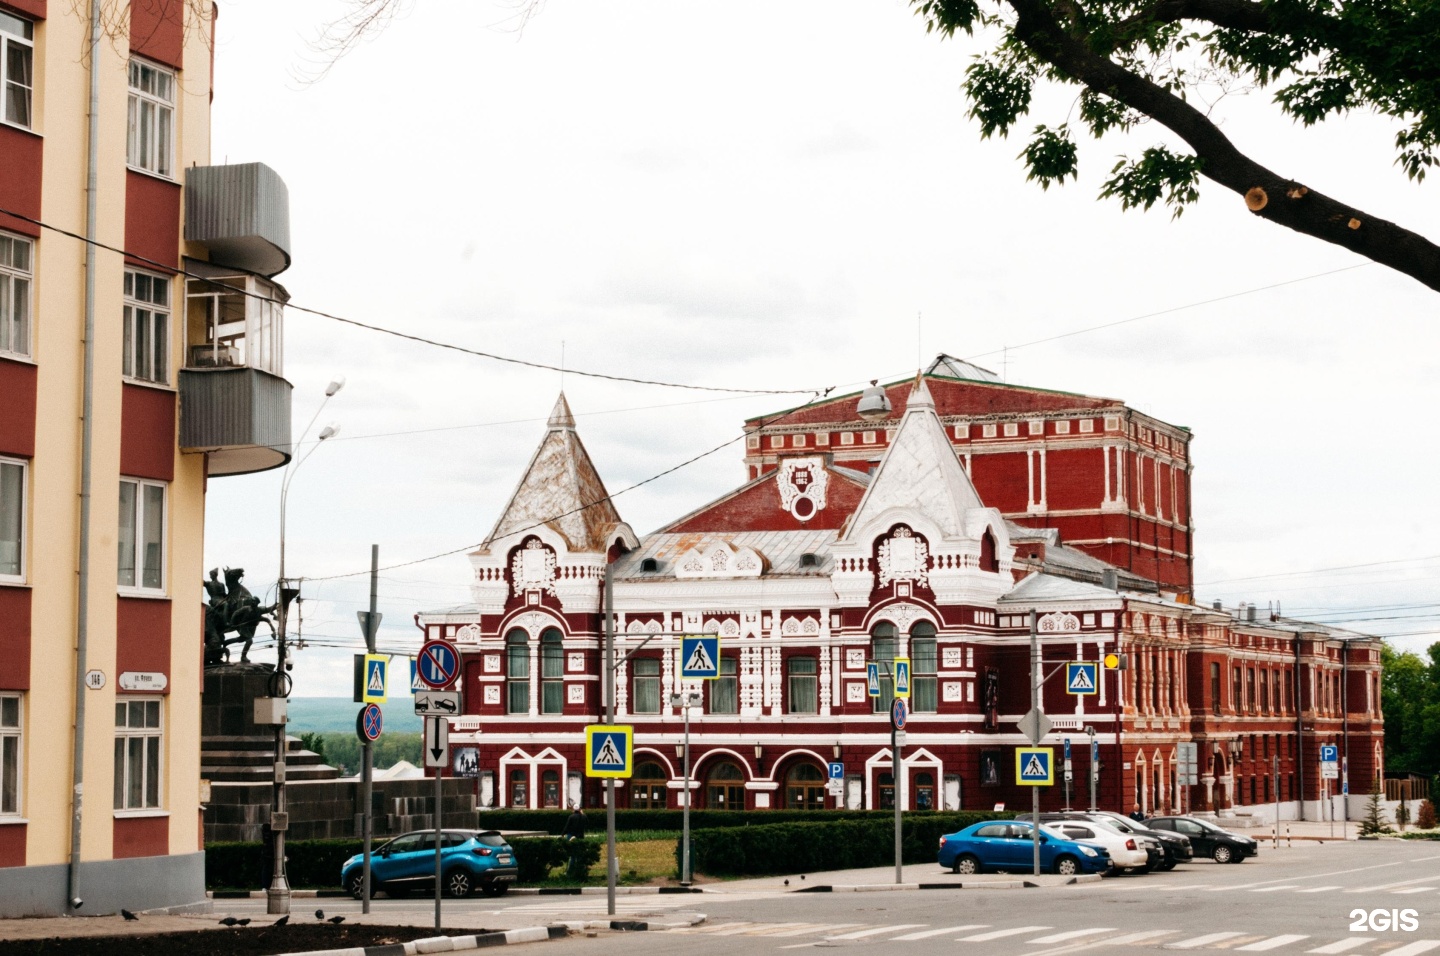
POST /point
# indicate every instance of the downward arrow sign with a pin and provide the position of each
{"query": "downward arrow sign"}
(437, 741)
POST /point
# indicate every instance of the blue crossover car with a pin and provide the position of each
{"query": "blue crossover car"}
(469, 860)
(1007, 845)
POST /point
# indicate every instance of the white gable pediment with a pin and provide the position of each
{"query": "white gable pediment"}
(717, 559)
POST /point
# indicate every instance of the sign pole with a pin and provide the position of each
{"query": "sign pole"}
(1035, 706)
(439, 793)
(368, 766)
(895, 764)
(1094, 765)
(612, 863)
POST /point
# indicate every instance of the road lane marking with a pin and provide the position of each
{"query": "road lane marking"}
(1195, 942)
(1389, 886)
(1343, 945)
(780, 929)
(876, 931)
(926, 934)
(1415, 948)
(1073, 934)
(734, 929)
(814, 928)
(1274, 942)
(1130, 938)
(1318, 889)
(1272, 889)
(999, 934)
(1415, 889)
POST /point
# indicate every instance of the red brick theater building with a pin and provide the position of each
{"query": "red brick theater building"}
(931, 535)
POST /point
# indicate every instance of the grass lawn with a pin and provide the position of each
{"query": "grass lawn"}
(644, 861)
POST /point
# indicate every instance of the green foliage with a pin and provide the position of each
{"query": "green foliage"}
(553, 821)
(1373, 823)
(815, 846)
(1160, 174)
(314, 742)
(999, 93)
(537, 856)
(1410, 697)
(343, 750)
(1425, 816)
(1051, 156)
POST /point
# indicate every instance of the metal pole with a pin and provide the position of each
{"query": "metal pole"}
(1275, 776)
(367, 823)
(612, 862)
(685, 812)
(1094, 765)
(277, 897)
(896, 777)
(439, 781)
(1035, 705)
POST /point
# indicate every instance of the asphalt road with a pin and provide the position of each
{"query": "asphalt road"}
(1306, 899)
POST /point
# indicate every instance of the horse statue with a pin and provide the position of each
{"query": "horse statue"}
(230, 607)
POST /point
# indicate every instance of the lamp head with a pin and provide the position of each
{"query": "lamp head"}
(335, 386)
(874, 404)
(329, 431)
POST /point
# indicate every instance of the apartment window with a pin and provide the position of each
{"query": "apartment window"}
(646, 696)
(517, 673)
(552, 672)
(724, 690)
(137, 754)
(923, 696)
(142, 535)
(12, 519)
(147, 327)
(9, 754)
(882, 652)
(1237, 693)
(801, 691)
(15, 275)
(151, 136)
(1250, 688)
(1264, 692)
(1215, 689)
(17, 67)
(1275, 692)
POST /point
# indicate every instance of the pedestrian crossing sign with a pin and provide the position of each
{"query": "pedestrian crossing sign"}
(377, 668)
(700, 656)
(872, 678)
(902, 677)
(1034, 766)
(1081, 677)
(609, 750)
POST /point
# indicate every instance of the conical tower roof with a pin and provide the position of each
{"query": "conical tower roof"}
(920, 472)
(560, 490)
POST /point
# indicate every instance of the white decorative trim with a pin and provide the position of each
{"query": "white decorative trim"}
(802, 483)
(716, 559)
(1058, 622)
(902, 615)
(533, 568)
(469, 634)
(903, 557)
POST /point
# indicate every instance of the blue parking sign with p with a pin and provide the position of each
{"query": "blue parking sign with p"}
(700, 656)
(837, 771)
(1329, 753)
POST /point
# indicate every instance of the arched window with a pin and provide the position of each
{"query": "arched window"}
(725, 787)
(520, 787)
(805, 787)
(517, 672)
(552, 672)
(988, 560)
(923, 696)
(647, 787)
(882, 652)
(925, 791)
(550, 789)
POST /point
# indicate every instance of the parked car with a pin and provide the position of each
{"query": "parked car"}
(1158, 857)
(1176, 846)
(1126, 852)
(1220, 845)
(1008, 845)
(469, 860)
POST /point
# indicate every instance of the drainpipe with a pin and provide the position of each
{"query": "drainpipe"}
(1119, 716)
(82, 604)
(1299, 729)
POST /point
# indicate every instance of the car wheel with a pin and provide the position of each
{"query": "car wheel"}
(459, 883)
(355, 886)
(1167, 866)
(494, 889)
(966, 863)
(1067, 866)
(1146, 868)
(1223, 854)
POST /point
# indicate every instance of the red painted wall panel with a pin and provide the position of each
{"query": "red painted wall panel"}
(758, 509)
(12, 845)
(17, 424)
(141, 836)
(14, 640)
(147, 433)
(30, 8)
(1000, 480)
(143, 635)
(1071, 476)
(20, 186)
(152, 221)
(157, 30)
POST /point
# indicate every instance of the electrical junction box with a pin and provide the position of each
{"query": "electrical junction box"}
(270, 710)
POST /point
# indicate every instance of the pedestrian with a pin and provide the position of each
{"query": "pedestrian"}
(578, 867)
(575, 826)
(1136, 815)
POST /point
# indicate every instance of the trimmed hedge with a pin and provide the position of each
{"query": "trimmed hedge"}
(314, 864)
(808, 847)
(553, 821)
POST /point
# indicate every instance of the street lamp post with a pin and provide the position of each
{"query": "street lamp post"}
(685, 702)
(277, 897)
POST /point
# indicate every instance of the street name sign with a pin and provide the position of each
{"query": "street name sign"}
(700, 656)
(437, 703)
(1034, 766)
(609, 750)
(1082, 677)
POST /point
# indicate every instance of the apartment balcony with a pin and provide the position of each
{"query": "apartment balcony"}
(241, 215)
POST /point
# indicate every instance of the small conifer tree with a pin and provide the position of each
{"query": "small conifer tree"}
(1374, 820)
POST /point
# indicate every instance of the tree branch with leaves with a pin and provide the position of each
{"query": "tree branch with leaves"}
(1139, 59)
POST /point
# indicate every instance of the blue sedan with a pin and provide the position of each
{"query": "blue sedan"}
(1007, 845)
(469, 860)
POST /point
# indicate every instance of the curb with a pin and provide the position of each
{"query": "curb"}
(448, 944)
(513, 891)
(987, 885)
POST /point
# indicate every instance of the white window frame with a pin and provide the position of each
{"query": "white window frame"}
(154, 366)
(138, 545)
(17, 284)
(149, 85)
(16, 34)
(124, 733)
(20, 515)
(12, 736)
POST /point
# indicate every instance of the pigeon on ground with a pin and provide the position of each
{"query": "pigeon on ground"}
(229, 921)
(319, 914)
(787, 882)
(243, 922)
(802, 877)
(282, 920)
(337, 920)
(129, 916)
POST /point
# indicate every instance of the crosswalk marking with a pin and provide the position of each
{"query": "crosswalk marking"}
(1149, 934)
(782, 929)
(1195, 942)
(1274, 942)
(998, 934)
(1272, 889)
(1343, 945)
(1390, 886)
(717, 928)
(735, 928)
(1415, 889)
(926, 934)
(862, 933)
(1415, 948)
(1318, 889)
(814, 928)
(1073, 934)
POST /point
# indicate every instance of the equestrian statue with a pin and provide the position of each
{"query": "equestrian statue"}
(232, 608)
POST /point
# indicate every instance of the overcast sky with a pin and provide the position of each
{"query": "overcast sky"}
(786, 195)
